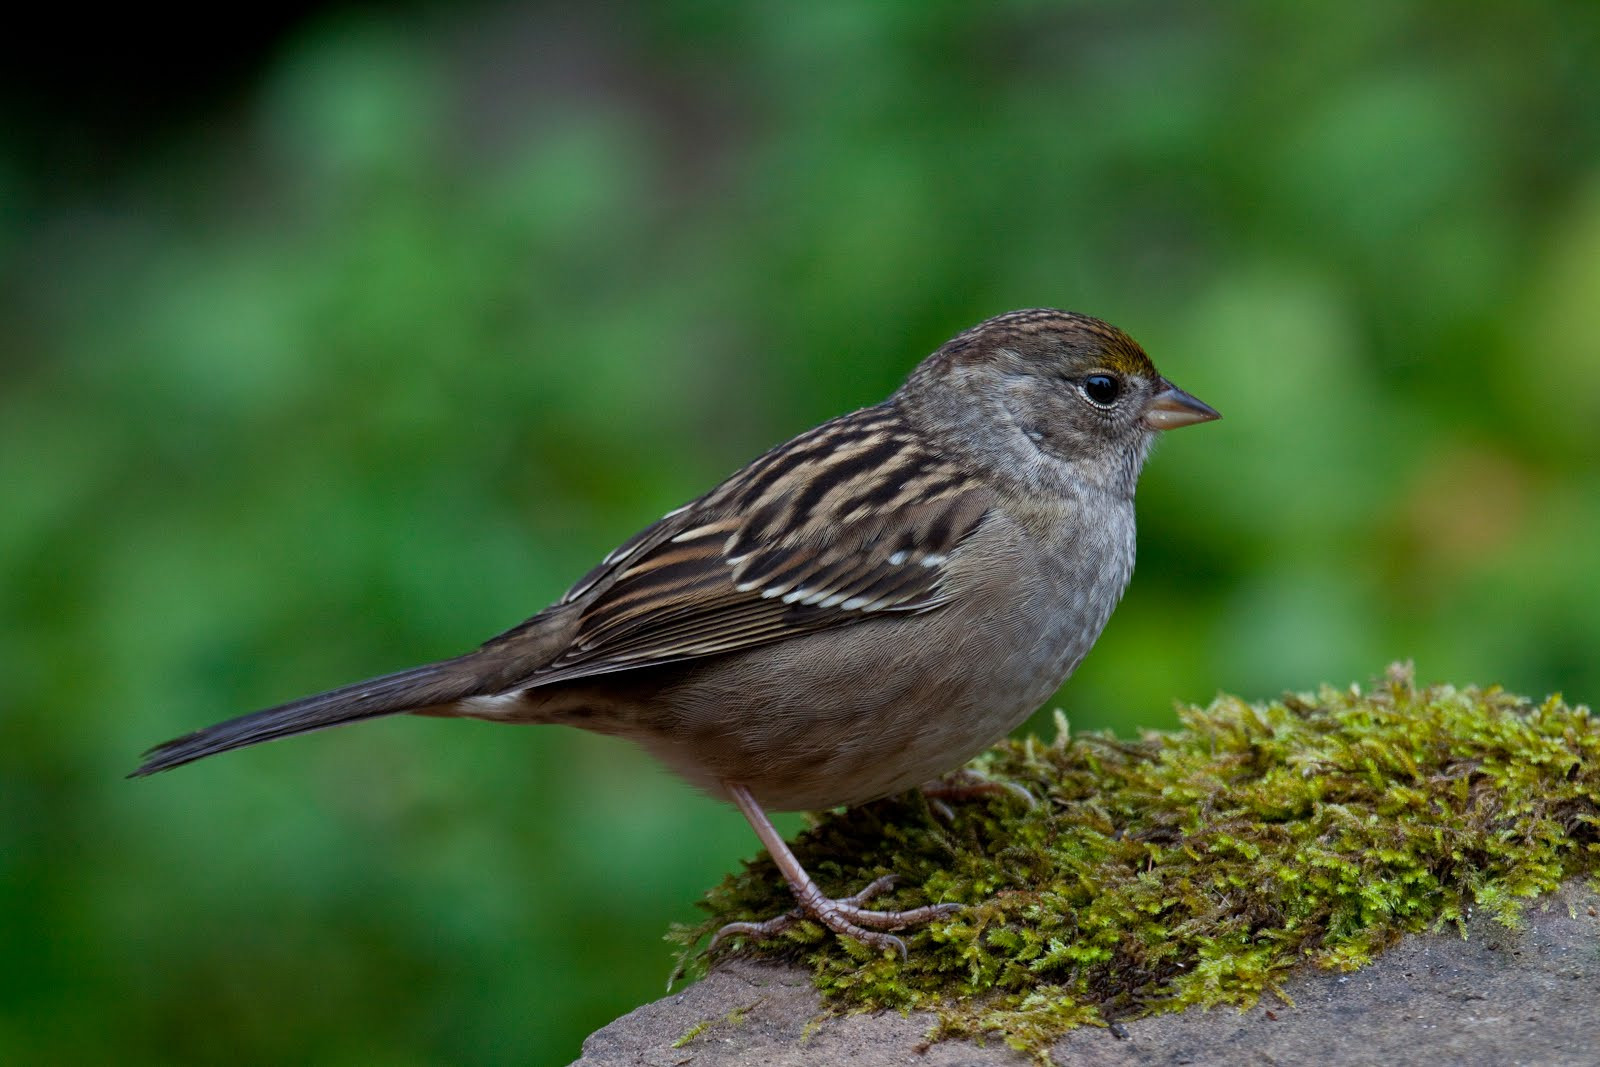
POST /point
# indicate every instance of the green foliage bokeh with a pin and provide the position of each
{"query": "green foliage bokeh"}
(380, 353)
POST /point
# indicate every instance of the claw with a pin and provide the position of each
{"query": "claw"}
(844, 916)
(965, 784)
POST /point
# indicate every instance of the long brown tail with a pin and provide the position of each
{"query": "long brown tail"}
(411, 690)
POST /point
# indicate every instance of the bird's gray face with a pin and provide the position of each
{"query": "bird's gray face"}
(1078, 407)
(1094, 410)
(1055, 401)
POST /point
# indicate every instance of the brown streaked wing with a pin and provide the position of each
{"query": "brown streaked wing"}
(851, 520)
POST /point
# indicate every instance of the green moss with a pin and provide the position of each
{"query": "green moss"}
(736, 1017)
(693, 1032)
(1197, 868)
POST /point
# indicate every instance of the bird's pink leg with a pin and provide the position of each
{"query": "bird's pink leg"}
(842, 916)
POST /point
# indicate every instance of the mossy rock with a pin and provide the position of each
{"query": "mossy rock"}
(1197, 868)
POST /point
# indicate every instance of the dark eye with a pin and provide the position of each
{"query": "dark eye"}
(1102, 389)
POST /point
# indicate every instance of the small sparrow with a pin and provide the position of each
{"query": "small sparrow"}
(857, 612)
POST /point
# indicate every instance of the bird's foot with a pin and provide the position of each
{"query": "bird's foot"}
(966, 784)
(844, 916)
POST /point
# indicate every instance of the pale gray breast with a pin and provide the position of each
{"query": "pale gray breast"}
(1054, 578)
(1083, 581)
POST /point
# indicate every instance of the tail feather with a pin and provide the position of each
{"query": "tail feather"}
(409, 690)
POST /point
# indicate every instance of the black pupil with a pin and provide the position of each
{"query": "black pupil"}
(1102, 388)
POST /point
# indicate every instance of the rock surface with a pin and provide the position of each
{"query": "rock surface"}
(1529, 996)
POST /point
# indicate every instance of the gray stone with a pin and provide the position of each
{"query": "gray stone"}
(1529, 996)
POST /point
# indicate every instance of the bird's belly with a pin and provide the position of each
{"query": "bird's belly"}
(823, 721)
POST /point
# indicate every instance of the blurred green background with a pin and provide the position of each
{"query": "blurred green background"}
(346, 342)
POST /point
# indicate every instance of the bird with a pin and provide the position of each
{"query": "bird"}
(854, 613)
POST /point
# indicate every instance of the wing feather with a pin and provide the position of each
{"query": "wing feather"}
(782, 548)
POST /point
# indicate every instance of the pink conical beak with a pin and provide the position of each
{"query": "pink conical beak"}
(1172, 408)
